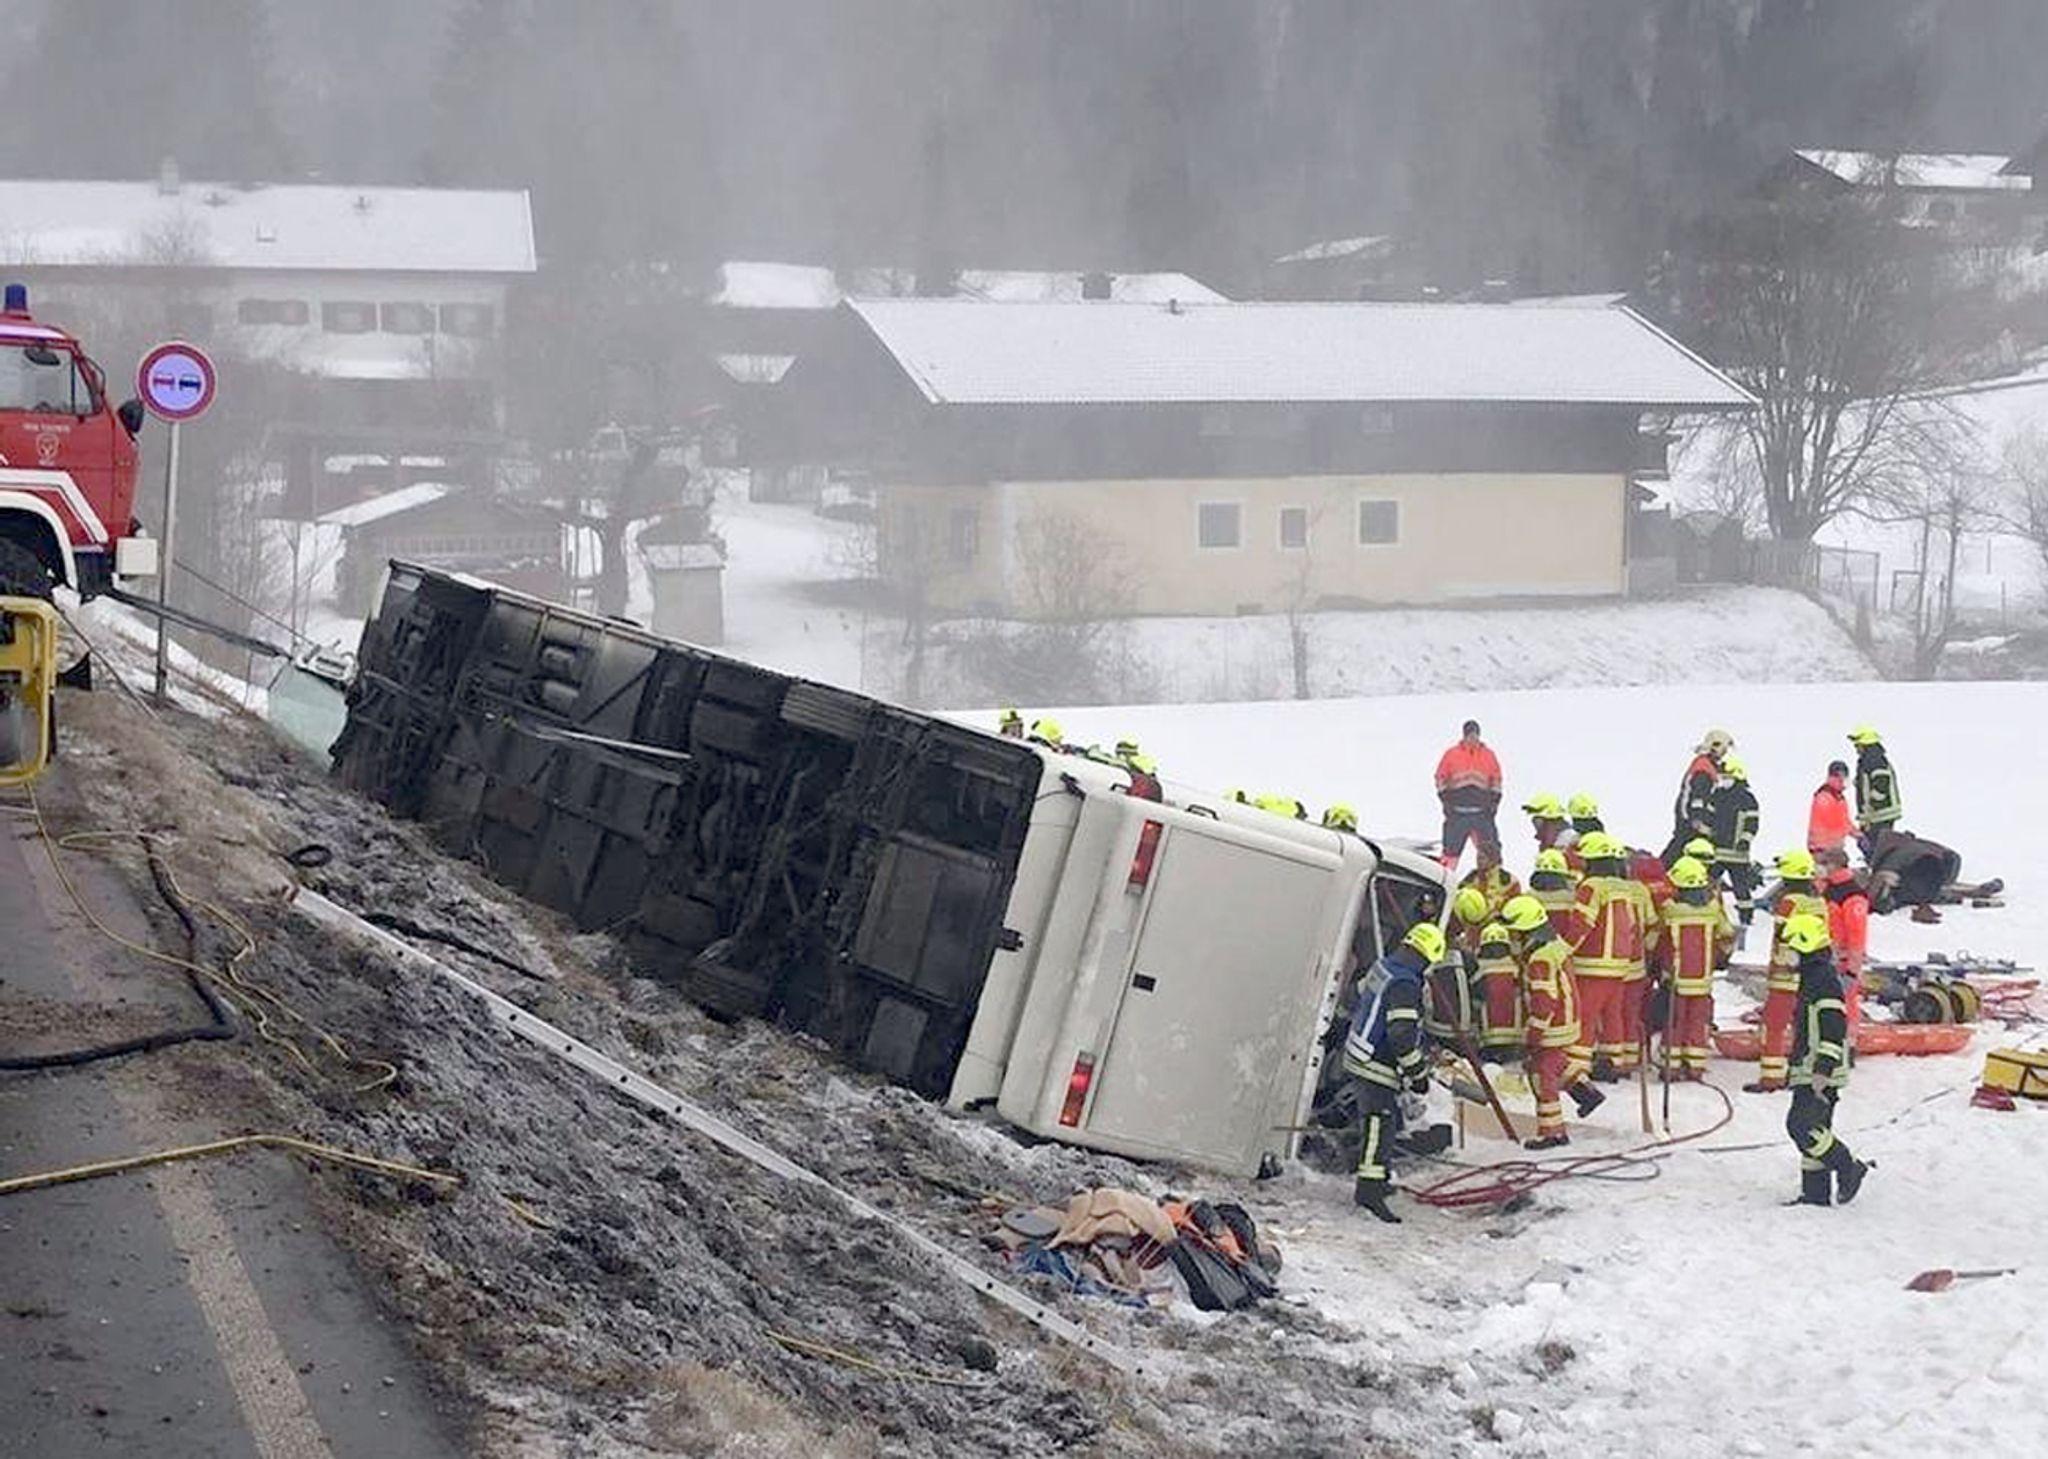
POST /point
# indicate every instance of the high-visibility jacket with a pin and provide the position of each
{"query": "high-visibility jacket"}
(1734, 823)
(1691, 811)
(1789, 902)
(1497, 884)
(1878, 801)
(1820, 1037)
(1828, 823)
(1384, 1045)
(1487, 968)
(1695, 938)
(1468, 775)
(1550, 995)
(1848, 918)
(1612, 921)
(1559, 894)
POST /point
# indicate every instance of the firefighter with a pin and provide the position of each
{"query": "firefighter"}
(1692, 812)
(1341, 817)
(1554, 884)
(1848, 929)
(1142, 768)
(1609, 928)
(1829, 825)
(1469, 916)
(1494, 882)
(1548, 820)
(1384, 1053)
(1468, 786)
(1828, 1172)
(1047, 732)
(1585, 814)
(1010, 724)
(1878, 802)
(1501, 1012)
(1735, 818)
(1696, 939)
(1552, 1032)
(1282, 805)
(1794, 896)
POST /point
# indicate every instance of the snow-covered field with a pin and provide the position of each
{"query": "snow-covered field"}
(1695, 1314)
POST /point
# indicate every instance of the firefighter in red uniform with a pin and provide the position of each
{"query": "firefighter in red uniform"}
(1554, 1036)
(1848, 929)
(1468, 784)
(1691, 814)
(1609, 929)
(1469, 916)
(1696, 939)
(1792, 897)
(1547, 819)
(1501, 1011)
(1555, 885)
(1494, 882)
(1830, 823)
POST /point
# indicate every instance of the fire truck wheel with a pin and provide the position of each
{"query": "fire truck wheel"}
(22, 574)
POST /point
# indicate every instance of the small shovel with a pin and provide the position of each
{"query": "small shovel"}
(1942, 1278)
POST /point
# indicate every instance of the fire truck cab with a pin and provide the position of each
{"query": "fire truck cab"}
(68, 464)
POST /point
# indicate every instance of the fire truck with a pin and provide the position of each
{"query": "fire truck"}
(68, 463)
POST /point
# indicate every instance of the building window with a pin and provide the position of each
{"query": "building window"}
(1379, 523)
(1294, 529)
(292, 312)
(467, 321)
(1219, 524)
(963, 536)
(407, 318)
(348, 317)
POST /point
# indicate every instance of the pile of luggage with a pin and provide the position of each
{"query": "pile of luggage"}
(1134, 1250)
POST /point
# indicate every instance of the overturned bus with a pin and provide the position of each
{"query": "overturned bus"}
(986, 921)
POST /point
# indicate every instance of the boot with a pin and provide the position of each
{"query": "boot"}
(1849, 1175)
(1925, 913)
(1586, 1097)
(1372, 1195)
(1603, 1069)
(1547, 1142)
(1813, 1188)
(1764, 1086)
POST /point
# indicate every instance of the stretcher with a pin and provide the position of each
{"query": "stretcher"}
(1746, 1044)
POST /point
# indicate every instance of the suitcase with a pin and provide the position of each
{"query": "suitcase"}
(2020, 1072)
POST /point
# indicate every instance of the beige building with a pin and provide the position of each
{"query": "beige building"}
(1038, 461)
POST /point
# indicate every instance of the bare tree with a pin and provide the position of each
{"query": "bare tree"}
(1830, 312)
(1072, 589)
(2025, 513)
(1946, 506)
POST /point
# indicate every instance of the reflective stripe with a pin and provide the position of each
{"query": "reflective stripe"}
(1369, 1164)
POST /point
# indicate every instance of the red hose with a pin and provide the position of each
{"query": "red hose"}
(1504, 1180)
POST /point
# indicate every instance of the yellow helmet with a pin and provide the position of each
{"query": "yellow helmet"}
(1552, 859)
(1469, 904)
(1049, 730)
(1009, 717)
(1796, 864)
(1524, 914)
(1493, 932)
(1805, 932)
(1583, 807)
(1341, 817)
(1735, 770)
(1544, 806)
(1863, 734)
(1126, 748)
(1686, 872)
(1599, 846)
(1699, 848)
(1428, 939)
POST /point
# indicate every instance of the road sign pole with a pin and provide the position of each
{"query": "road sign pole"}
(163, 570)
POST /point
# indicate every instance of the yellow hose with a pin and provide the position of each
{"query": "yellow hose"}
(332, 1154)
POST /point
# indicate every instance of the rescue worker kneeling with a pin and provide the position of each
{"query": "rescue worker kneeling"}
(1384, 1053)
(1556, 1055)
(1828, 1173)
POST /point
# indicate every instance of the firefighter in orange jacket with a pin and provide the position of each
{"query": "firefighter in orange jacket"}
(1468, 782)
(1609, 929)
(1696, 939)
(1848, 929)
(1554, 1038)
(1555, 885)
(1829, 823)
(1501, 1010)
(1793, 896)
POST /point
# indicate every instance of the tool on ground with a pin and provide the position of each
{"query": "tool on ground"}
(1471, 1053)
(1941, 1278)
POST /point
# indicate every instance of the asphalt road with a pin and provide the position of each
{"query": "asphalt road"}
(194, 1309)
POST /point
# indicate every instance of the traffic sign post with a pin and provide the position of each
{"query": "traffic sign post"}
(176, 382)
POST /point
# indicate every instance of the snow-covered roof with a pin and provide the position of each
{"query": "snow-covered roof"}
(288, 226)
(390, 504)
(1944, 171)
(967, 353)
(754, 284)
(1330, 248)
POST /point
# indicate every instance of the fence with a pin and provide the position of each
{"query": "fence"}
(1847, 575)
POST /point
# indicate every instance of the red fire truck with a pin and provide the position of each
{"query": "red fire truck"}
(68, 462)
